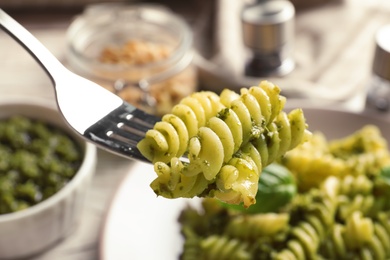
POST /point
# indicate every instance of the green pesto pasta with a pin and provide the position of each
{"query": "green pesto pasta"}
(169, 138)
(223, 247)
(343, 216)
(307, 229)
(363, 152)
(250, 227)
(307, 233)
(228, 140)
(192, 248)
(360, 237)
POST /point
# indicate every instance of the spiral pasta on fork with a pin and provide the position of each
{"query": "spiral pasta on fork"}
(228, 140)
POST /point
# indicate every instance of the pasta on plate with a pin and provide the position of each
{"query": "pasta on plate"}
(227, 138)
(342, 212)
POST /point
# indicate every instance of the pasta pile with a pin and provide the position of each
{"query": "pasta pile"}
(343, 216)
(351, 223)
(364, 152)
(228, 139)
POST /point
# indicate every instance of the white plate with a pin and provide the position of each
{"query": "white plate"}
(140, 226)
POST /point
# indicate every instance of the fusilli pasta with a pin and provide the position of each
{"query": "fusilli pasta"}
(343, 215)
(360, 238)
(314, 213)
(363, 152)
(228, 139)
(224, 248)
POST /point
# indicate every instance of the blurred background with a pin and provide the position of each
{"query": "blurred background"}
(331, 43)
(317, 51)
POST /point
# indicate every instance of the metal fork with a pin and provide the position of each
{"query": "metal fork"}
(95, 113)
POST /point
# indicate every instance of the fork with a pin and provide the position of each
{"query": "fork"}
(92, 111)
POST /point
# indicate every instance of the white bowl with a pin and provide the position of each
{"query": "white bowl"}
(32, 230)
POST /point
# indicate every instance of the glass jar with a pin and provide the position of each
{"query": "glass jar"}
(143, 53)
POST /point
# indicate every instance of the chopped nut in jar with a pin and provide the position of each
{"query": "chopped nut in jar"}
(166, 93)
(135, 52)
(142, 53)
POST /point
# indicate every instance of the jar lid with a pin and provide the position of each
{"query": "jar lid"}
(381, 64)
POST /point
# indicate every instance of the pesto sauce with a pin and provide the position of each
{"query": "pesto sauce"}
(36, 160)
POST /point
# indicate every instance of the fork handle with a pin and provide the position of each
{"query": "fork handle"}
(30, 43)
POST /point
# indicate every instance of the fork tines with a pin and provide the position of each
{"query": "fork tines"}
(122, 129)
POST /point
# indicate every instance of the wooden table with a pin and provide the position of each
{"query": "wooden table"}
(348, 42)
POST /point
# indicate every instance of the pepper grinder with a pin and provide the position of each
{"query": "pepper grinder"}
(378, 94)
(268, 32)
